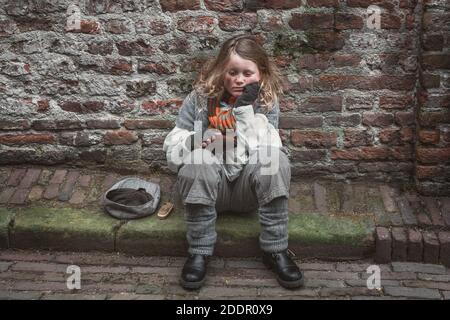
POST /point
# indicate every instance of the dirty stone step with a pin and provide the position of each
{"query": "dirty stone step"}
(310, 235)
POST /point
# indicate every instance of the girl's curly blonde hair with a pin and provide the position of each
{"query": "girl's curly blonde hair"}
(211, 78)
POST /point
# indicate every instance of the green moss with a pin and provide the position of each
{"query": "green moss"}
(63, 228)
(291, 44)
(152, 227)
(64, 219)
(317, 229)
(333, 199)
(72, 228)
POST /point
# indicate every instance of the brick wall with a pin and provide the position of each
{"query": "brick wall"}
(432, 171)
(108, 93)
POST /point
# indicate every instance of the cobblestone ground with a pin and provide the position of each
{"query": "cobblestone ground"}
(43, 275)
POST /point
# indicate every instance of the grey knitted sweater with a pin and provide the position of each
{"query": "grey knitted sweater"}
(254, 128)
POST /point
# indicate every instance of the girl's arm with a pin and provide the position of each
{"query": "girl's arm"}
(177, 143)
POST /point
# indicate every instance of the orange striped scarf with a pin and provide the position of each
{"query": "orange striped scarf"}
(221, 119)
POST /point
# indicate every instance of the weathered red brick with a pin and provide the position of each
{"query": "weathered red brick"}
(429, 136)
(344, 21)
(322, 40)
(427, 172)
(86, 107)
(30, 178)
(120, 137)
(175, 46)
(405, 118)
(224, 6)
(20, 196)
(436, 61)
(178, 5)
(323, 3)
(395, 136)
(383, 245)
(68, 187)
(321, 104)
(158, 68)
(300, 122)
(148, 124)
(390, 21)
(429, 119)
(431, 247)
(157, 107)
(415, 246)
(431, 206)
(16, 177)
(103, 124)
(313, 139)
(399, 244)
(435, 21)
(430, 81)
(314, 61)
(403, 153)
(366, 3)
(444, 250)
(14, 124)
(377, 119)
(51, 191)
(119, 66)
(23, 139)
(237, 21)
(139, 47)
(197, 24)
(338, 82)
(433, 42)
(305, 21)
(357, 137)
(358, 102)
(433, 155)
(389, 136)
(396, 102)
(348, 60)
(272, 22)
(308, 155)
(272, 4)
(346, 120)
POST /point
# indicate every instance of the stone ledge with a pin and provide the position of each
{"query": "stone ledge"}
(312, 236)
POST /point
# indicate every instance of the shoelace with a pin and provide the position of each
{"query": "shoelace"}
(290, 253)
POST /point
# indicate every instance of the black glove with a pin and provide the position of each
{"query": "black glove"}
(249, 95)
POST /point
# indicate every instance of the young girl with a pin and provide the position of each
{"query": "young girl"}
(234, 103)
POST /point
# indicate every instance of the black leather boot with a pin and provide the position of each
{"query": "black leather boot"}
(194, 271)
(288, 273)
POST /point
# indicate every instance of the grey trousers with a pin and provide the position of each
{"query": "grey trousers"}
(205, 191)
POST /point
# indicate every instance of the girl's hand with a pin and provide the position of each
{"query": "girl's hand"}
(216, 134)
(249, 95)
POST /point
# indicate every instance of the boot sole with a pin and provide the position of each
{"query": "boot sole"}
(190, 285)
(285, 284)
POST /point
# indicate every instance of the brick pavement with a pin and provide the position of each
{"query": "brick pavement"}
(42, 275)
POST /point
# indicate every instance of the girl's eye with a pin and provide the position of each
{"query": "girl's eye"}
(248, 74)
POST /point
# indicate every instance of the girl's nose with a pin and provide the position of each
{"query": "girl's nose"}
(239, 79)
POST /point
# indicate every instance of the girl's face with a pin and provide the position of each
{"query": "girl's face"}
(238, 73)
